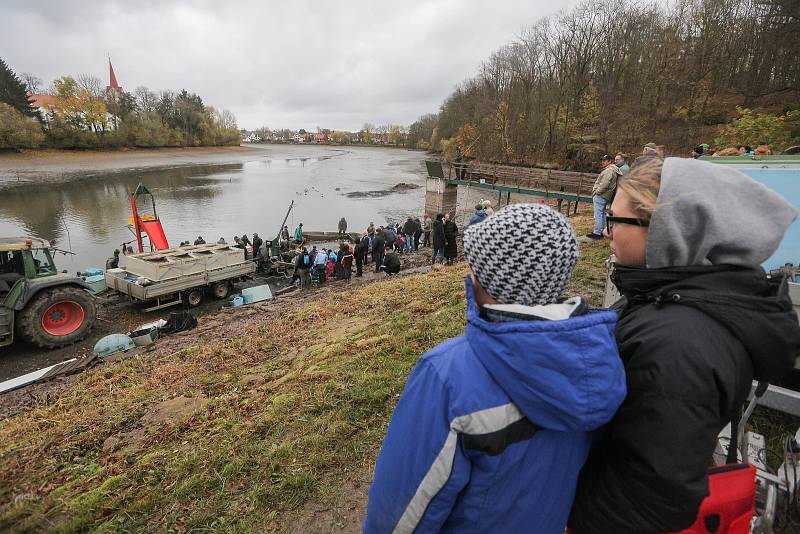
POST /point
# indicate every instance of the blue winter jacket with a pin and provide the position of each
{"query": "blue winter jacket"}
(494, 426)
(478, 216)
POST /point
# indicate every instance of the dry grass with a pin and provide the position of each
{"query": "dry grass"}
(293, 409)
(258, 425)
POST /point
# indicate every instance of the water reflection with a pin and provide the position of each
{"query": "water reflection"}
(215, 200)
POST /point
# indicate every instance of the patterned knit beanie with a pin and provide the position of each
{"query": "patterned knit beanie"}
(523, 254)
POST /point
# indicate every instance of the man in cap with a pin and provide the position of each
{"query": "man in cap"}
(494, 426)
(602, 193)
(650, 149)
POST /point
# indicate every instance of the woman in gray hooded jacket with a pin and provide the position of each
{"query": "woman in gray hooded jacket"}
(700, 321)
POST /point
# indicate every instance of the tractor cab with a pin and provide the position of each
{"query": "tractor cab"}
(45, 307)
(23, 258)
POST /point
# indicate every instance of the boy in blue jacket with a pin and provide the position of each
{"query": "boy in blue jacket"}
(494, 426)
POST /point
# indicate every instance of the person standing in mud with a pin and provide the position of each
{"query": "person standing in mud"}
(438, 239)
(245, 241)
(342, 226)
(451, 239)
(321, 265)
(257, 242)
(361, 250)
(378, 245)
(427, 225)
(417, 233)
(302, 266)
(409, 229)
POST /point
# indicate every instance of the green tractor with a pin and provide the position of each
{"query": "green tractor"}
(39, 304)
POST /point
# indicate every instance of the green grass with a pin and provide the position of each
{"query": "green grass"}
(295, 406)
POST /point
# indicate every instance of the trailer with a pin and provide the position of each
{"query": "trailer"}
(183, 275)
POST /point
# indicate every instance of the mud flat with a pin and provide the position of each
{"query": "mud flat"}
(55, 166)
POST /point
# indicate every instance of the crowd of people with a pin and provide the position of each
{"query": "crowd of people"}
(380, 246)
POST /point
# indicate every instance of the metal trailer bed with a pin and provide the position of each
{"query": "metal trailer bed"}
(117, 281)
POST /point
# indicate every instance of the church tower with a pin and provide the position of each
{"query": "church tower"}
(112, 79)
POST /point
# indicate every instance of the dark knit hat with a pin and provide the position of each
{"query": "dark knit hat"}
(523, 254)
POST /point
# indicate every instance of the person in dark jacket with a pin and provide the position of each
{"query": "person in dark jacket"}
(246, 243)
(360, 253)
(378, 245)
(199, 240)
(451, 239)
(417, 233)
(302, 265)
(344, 262)
(113, 261)
(493, 426)
(390, 234)
(391, 262)
(342, 226)
(438, 239)
(700, 320)
(257, 242)
(409, 229)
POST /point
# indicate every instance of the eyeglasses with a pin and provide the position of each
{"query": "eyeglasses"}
(611, 221)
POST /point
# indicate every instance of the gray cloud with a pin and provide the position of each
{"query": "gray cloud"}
(279, 64)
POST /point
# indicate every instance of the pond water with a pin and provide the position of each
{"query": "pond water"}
(88, 214)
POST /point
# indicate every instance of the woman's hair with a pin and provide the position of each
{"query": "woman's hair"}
(641, 184)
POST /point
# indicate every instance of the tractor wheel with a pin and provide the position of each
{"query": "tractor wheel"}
(193, 297)
(221, 290)
(57, 316)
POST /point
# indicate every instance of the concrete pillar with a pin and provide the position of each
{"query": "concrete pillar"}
(440, 197)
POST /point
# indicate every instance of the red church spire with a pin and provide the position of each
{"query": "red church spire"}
(112, 79)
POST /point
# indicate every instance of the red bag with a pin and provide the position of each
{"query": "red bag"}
(731, 501)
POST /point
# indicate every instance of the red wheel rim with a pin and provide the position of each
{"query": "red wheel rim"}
(62, 318)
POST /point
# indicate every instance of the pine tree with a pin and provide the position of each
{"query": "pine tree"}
(13, 92)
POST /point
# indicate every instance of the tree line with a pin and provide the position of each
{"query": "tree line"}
(81, 113)
(613, 75)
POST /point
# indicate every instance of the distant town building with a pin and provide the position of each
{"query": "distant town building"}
(43, 104)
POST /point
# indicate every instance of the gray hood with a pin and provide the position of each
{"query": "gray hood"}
(709, 214)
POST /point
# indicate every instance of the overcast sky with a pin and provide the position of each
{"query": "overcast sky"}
(288, 64)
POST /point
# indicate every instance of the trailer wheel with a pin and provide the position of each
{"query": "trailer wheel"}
(57, 317)
(193, 297)
(221, 290)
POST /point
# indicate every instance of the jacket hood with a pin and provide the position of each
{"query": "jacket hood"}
(756, 309)
(709, 214)
(564, 375)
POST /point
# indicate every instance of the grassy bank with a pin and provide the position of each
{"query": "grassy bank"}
(237, 433)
